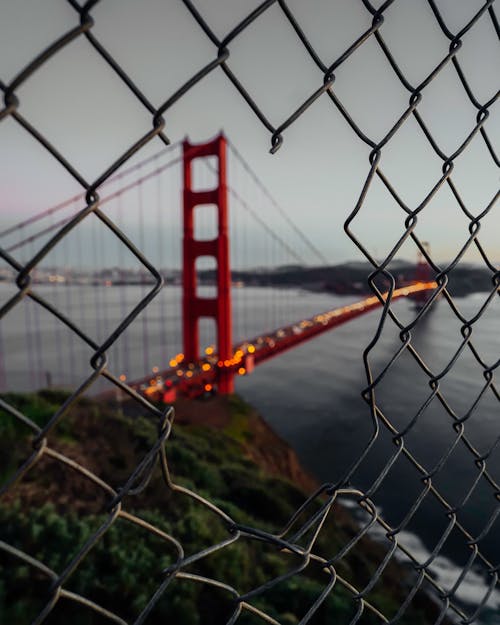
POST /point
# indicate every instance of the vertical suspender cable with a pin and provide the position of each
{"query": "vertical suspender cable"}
(96, 279)
(28, 331)
(144, 313)
(37, 339)
(60, 372)
(103, 264)
(175, 244)
(82, 287)
(238, 309)
(124, 363)
(160, 230)
(239, 227)
(70, 308)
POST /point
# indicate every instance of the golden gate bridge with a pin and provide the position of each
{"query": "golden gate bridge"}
(201, 217)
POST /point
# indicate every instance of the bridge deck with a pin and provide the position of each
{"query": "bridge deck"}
(197, 378)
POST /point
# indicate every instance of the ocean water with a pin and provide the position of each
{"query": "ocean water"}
(311, 396)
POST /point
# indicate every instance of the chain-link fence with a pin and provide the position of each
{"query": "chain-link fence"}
(297, 542)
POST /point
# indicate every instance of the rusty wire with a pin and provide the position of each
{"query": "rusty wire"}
(291, 539)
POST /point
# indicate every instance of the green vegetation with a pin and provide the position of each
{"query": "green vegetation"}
(53, 511)
(238, 426)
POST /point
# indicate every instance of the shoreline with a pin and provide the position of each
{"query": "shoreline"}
(277, 457)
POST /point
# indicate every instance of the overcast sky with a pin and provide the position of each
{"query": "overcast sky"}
(76, 100)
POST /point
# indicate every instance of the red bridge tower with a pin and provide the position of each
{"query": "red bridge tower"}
(193, 306)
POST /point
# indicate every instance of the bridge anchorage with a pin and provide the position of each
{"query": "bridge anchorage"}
(192, 374)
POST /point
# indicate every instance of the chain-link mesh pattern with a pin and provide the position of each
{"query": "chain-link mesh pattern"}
(299, 536)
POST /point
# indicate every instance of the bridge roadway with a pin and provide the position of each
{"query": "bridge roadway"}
(194, 379)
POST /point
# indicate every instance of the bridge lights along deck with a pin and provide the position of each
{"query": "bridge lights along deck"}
(196, 378)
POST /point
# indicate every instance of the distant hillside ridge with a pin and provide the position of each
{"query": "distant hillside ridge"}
(351, 278)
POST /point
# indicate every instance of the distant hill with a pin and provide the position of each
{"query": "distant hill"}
(351, 278)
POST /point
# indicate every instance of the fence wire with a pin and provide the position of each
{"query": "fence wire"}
(299, 536)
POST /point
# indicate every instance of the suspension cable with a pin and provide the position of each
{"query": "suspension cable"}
(304, 238)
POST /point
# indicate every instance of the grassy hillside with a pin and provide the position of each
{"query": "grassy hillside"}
(53, 510)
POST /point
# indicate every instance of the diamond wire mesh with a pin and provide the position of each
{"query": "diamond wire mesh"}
(299, 536)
